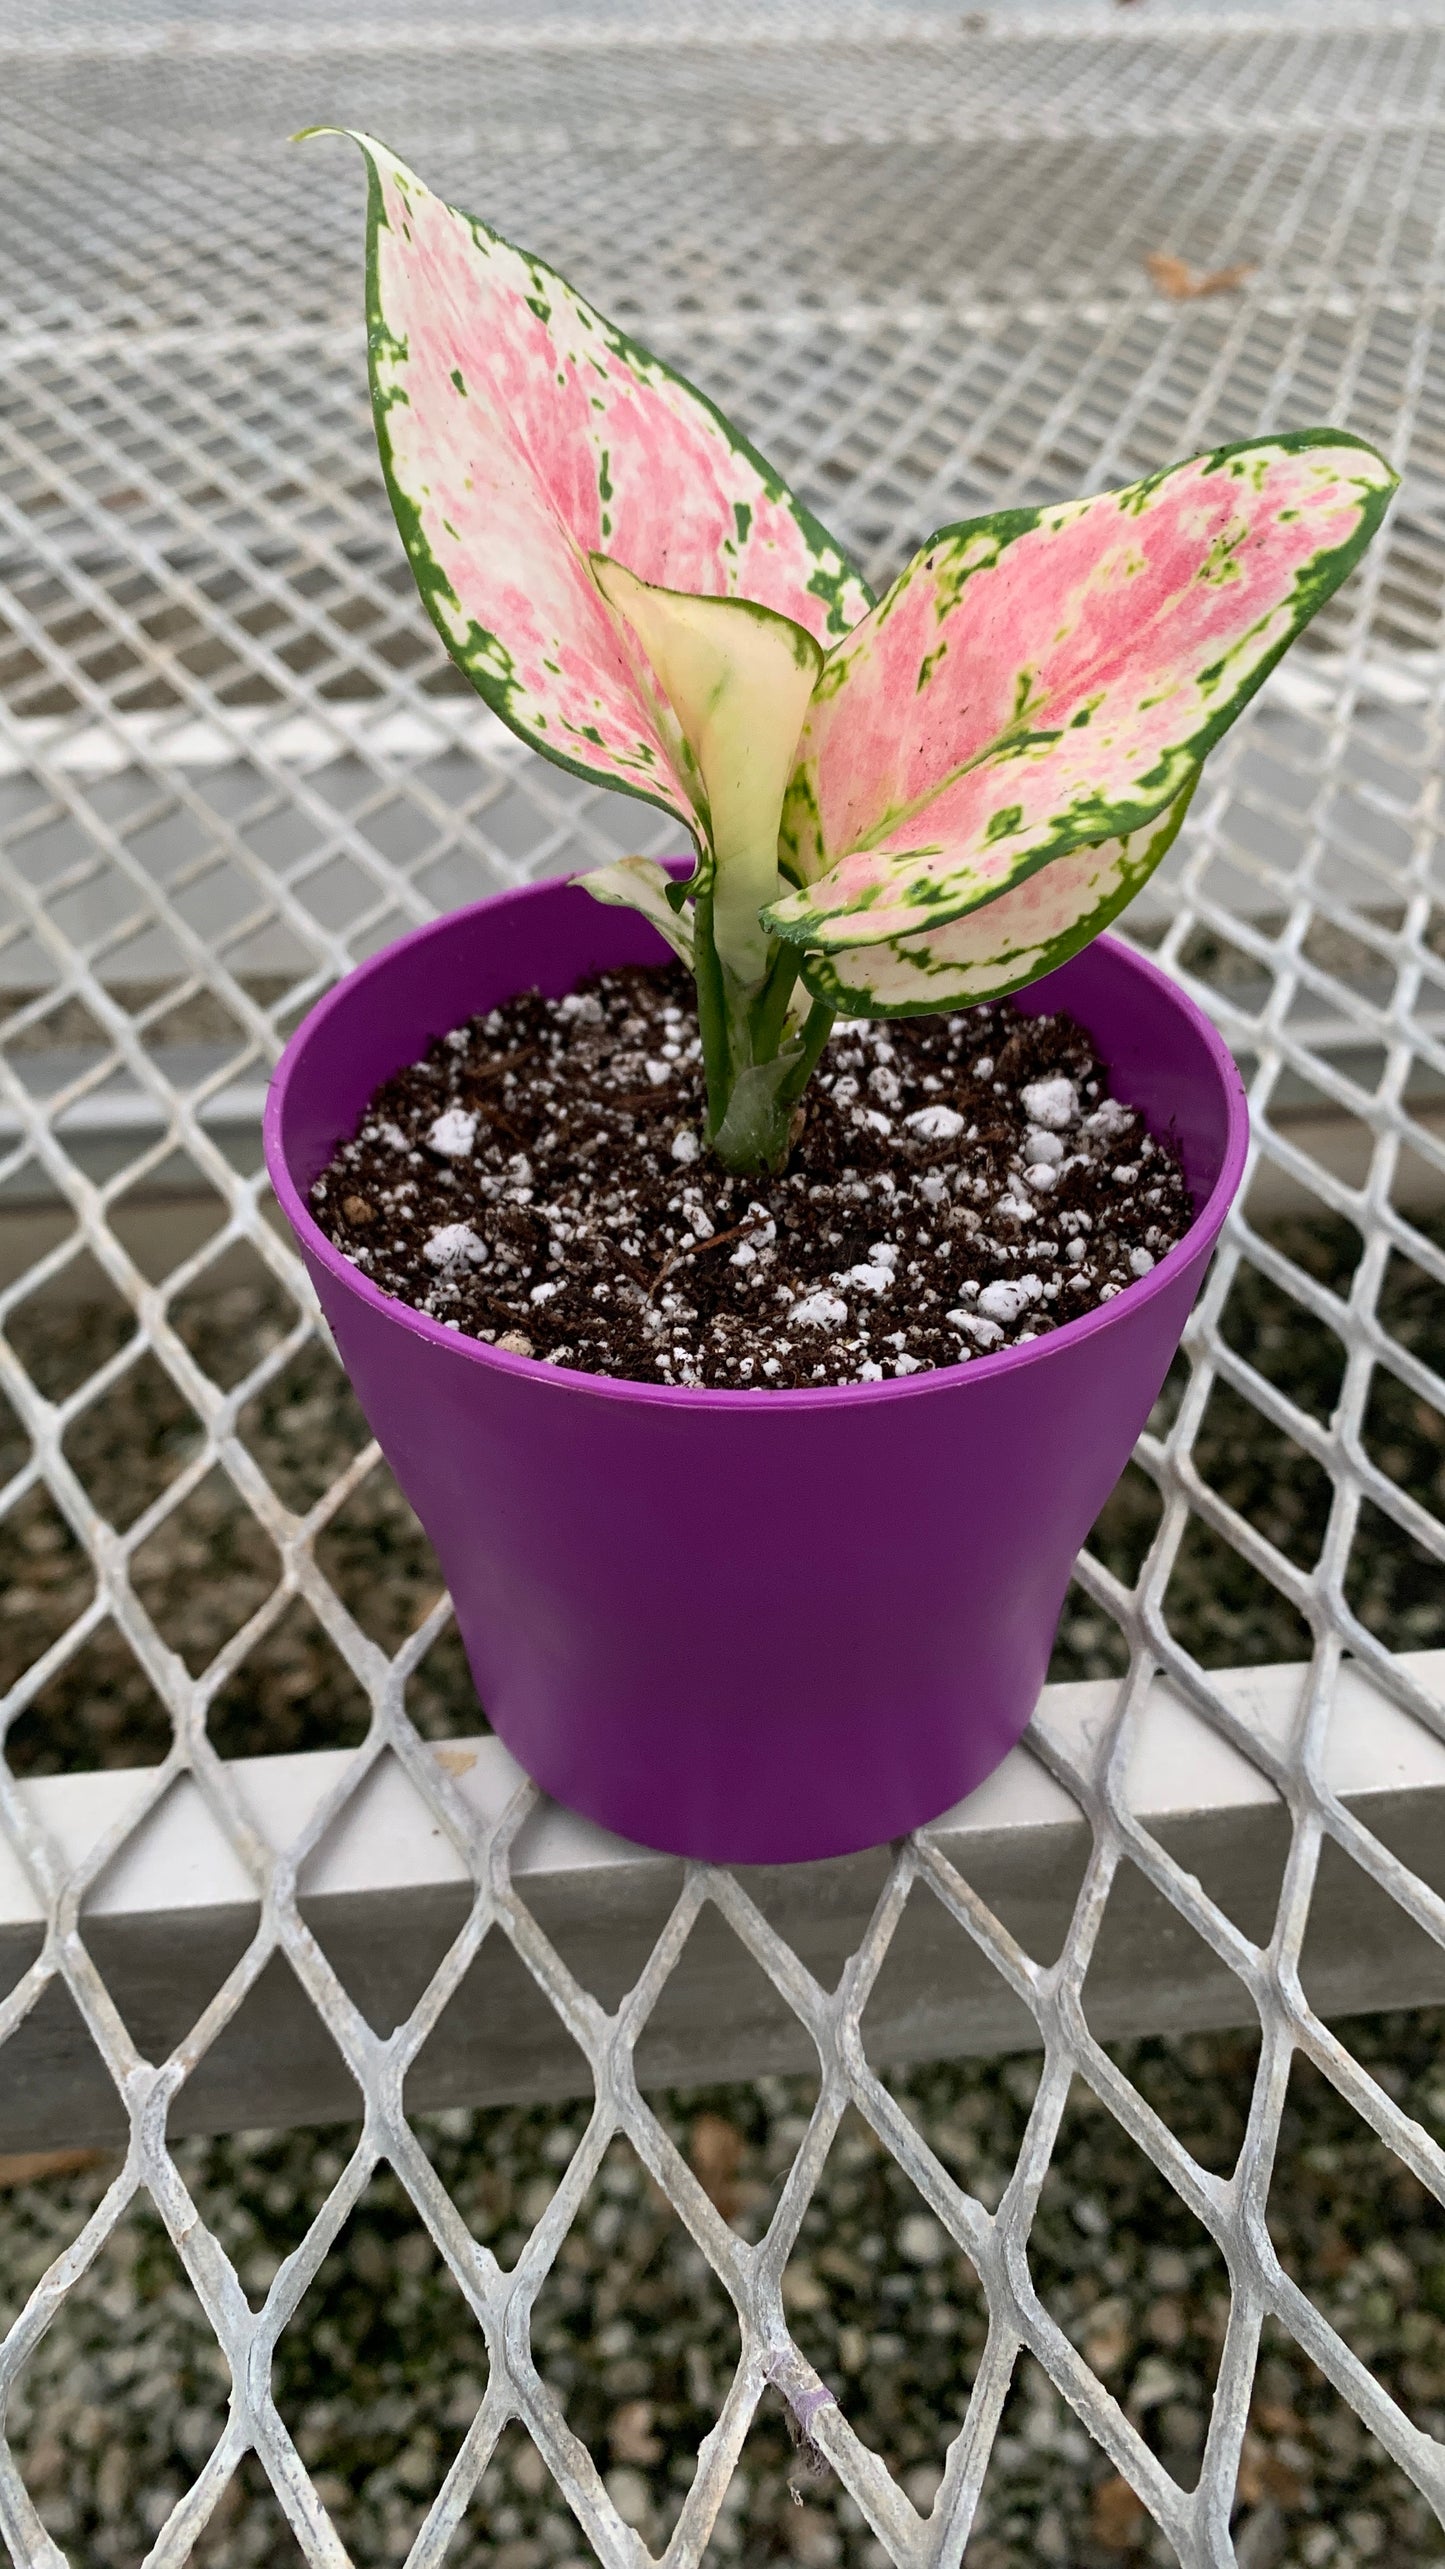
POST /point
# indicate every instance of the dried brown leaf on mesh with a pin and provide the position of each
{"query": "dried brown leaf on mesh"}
(715, 2148)
(1117, 2515)
(1184, 284)
(631, 2435)
(31, 2167)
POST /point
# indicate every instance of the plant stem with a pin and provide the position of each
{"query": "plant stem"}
(771, 1006)
(818, 1026)
(712, 1015)
(752, 1085)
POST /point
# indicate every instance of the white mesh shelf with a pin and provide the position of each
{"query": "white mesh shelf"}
(906, 247)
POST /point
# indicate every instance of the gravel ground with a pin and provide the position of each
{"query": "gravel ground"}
(383, 2371)
(124, 2397)
(1217, 1606)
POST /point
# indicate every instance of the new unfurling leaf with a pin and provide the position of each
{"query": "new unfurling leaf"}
(894, 807)
(739, 679)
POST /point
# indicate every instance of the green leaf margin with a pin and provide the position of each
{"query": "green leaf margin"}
(820, 977)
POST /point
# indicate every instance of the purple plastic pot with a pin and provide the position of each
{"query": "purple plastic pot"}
(752, 1626)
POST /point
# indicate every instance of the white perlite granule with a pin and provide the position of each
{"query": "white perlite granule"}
(1051, 1102)
(456, 1244)
(983, 1333)
(935, 1123)
(1004, 1302)
(453, 1134)
(875, 1274)
(819, 1311)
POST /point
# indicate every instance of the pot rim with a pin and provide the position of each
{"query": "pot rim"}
(567, 1382)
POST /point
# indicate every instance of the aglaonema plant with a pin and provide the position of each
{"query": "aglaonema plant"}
(897, 806)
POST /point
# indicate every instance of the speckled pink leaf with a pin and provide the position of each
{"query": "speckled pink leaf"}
(1051, 677)
(519, 433)
(1006, 943)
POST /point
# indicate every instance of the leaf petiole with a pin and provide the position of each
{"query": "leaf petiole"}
(817, 1027)
(712, 1014)
(770, 1008)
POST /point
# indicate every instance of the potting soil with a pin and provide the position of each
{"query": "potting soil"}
(958, 1185)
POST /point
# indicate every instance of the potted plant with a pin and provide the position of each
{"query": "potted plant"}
(760, 1623)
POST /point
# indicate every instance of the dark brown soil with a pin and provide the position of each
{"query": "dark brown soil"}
(960, 1184)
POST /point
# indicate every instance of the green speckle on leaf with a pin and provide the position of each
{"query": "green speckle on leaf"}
(604, 475)
(1003, 823)
(1024, 685)
(742, 512)
(1221, 561)
(386, 344)
(459, 380)
(830, 677)
(1250, 466)
(828, 583)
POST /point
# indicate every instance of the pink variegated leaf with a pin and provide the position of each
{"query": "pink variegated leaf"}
(1049, 678)
(520, 432)
(1005, 944)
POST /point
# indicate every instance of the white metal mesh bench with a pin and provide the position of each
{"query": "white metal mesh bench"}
(906, 247)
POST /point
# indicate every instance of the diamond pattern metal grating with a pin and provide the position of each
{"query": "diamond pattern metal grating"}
(906, 248)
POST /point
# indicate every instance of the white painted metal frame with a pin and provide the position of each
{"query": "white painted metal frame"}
(169, 1911)
(907, 247)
